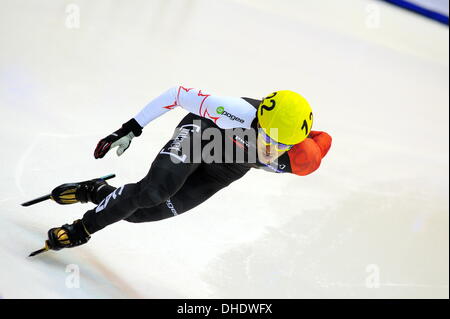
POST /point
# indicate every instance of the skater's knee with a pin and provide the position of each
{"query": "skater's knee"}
(133, 219)
(158, 189)
(152, 196)
(147, 216)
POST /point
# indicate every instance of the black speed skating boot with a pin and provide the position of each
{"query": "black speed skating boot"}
(67, 236)
(83, 192)
(71, 193)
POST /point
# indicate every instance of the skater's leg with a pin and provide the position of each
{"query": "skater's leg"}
(200, 185)
(165, 178)
(103, 192)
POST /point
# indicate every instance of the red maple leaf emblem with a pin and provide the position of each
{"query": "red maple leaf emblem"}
(211, 117)
(170, 107)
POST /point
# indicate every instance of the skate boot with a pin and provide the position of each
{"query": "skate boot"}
(66, 236)
(83, 192)
(71, 193)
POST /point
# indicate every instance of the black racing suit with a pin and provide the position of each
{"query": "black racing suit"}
(173, 186)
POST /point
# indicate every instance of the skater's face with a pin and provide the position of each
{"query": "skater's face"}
(268, 151)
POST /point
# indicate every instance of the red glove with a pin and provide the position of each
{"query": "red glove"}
(306, 157)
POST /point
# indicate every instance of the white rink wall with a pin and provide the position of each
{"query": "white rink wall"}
(372, 222)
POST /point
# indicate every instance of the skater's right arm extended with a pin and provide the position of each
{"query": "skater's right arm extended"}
(225, 112)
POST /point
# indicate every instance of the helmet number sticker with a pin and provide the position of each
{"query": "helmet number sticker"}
(305, 124)
(271, 96)
(305, 127)
(268, 108)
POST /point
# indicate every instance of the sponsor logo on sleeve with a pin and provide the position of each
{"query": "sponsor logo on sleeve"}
(221, 110)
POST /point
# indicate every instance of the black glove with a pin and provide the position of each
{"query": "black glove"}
(121, 138)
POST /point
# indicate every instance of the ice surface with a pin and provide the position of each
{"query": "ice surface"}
(376, 76)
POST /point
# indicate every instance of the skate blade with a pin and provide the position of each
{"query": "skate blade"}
(40, 251)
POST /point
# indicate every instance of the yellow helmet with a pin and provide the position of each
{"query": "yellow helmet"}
(286, 113)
